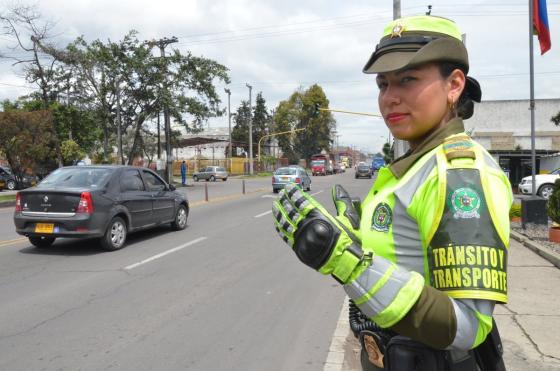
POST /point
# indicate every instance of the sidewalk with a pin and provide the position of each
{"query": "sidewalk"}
(529, 324)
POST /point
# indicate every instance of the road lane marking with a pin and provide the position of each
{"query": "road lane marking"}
(335, 356)
(263, 214)
(132, 266)
(316, 193)
(14, 241)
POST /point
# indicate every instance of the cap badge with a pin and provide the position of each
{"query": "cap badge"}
(397, 30)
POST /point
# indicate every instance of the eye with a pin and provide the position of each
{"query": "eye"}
(382, 85)
(407, 79)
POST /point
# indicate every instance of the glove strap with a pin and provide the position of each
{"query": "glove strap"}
(347, 262)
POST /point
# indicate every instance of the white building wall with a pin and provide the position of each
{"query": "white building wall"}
(507, 123)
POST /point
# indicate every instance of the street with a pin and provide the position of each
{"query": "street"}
(226, 293)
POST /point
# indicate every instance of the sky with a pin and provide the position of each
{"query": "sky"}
(280, 46)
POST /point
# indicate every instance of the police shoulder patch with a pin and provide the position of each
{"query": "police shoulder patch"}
(458, 146)
(382, 217)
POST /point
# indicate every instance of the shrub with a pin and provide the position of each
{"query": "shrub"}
(553, 203)
(515, 211)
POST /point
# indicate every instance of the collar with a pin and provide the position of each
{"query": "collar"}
(401, 165)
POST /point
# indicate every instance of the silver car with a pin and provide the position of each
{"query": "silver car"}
(211, 173)
(290, 174)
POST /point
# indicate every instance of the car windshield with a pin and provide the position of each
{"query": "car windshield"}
(317, 162)
(363, 167)
(221, 169)
(286, 171)
(82, 177)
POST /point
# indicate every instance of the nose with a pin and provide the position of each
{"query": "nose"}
(390, 96)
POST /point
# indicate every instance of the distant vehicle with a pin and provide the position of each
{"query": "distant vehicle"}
(322, 164)
(105, 202)
(362, 171)
(290, 174)
(543, 182)
(211, 173)
(377, 163)
(2, 182)
(11, 181)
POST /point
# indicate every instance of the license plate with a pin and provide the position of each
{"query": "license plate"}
(44, 228)
(285, 178)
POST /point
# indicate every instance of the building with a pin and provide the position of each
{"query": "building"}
(503, 127)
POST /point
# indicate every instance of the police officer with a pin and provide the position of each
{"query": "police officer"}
(423, 258)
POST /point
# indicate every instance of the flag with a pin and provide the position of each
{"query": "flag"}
(540, 24)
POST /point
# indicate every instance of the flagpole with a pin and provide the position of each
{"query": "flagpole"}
(532, 99)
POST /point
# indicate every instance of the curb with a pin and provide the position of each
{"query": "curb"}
(549, 255)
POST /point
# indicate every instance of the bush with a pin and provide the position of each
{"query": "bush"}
(553, 203)
(515, 211)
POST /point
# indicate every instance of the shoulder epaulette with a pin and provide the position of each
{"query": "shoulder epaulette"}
(458, 146)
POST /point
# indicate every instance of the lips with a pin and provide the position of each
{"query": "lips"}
(395, 116)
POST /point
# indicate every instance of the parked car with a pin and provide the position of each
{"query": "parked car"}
(2, 182)
(107, 202)
(543, 182)
(290, 174)
(12, 183)
(362, 171)
(211, 173)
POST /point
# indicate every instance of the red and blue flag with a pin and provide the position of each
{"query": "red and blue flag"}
(540, 24)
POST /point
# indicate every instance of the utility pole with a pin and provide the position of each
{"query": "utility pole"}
(250, 131)
(229, 125)
(119, 133)
(400, 145)
(162, 43)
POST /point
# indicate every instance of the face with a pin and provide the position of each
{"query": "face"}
(415, 102)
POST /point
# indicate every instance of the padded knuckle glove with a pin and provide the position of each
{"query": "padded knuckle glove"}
(318, 239)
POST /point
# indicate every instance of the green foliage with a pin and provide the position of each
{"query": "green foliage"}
(71, 152)
(553, 203)
(556, 119)
(299, 112)
(26, 139)
(388, 152)
(515, 211)
(240, 130)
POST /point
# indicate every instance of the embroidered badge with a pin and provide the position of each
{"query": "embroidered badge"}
(465, 203)
(382, 217)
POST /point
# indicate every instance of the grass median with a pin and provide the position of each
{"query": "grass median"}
(7, 198)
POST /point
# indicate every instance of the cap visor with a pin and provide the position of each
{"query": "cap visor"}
(391, 61)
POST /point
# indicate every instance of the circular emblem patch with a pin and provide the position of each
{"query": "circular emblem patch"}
(382, 217)
(465, 203)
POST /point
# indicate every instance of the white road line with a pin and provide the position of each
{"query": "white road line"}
(269, 196)
(165, 253)
(263, 214)
(335, 357)
(316, 193)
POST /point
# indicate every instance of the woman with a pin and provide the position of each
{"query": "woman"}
(424, 261)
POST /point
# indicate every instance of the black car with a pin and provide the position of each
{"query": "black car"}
(362, 171)
(11, 181)
(107, 202)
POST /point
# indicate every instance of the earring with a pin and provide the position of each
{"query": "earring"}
(451, 105)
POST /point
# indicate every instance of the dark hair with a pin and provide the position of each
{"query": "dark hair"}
(465, 105)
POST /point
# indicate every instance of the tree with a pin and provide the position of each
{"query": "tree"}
(298, 112)
(388, 152)
(556, 119)
(26, 140)
(261, 120)
(240, 131)
(71, 152)
(31, 35)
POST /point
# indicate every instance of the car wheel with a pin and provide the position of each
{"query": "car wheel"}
(115, 235)
(11, 185)
(275, 190)
(546, 191)
(41, 241)
(212, 178)
(195, 178)
(309, 188)
(181, 216)
(224, 179)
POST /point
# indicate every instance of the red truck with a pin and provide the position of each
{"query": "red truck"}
(321, 164)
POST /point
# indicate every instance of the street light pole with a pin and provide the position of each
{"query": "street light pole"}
(250, 131)
(229, 125)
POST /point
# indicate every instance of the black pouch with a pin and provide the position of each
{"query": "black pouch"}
(404, 354)
(489, 354)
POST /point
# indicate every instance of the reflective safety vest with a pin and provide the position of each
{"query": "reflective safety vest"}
(446, 218)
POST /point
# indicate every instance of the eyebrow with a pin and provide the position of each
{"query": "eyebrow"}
(398, 73)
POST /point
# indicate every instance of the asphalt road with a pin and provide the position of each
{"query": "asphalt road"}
(224, 294)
